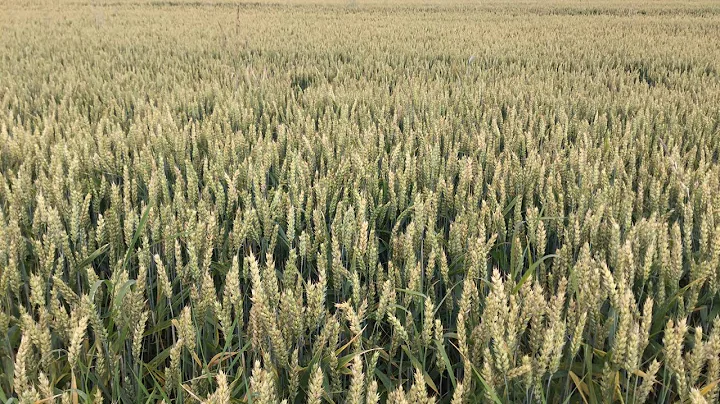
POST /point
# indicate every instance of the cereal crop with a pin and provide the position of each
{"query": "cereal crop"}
(411, 201)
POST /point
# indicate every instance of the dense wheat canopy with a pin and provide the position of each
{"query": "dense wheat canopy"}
(358, 202)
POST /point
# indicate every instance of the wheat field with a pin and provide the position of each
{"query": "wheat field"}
(359, 202)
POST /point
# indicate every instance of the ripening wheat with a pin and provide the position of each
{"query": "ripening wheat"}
(361, 203)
